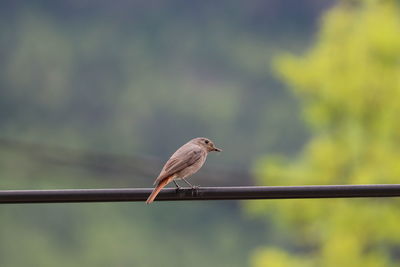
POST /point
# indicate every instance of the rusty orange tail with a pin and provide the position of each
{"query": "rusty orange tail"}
(158, 188)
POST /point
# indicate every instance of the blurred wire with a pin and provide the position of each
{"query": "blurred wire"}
(204, 193)
(104, 165)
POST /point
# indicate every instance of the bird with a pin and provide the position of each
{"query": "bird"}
(186, 161)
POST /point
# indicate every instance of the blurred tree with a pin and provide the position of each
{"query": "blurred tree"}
(349, 85)
(107, 76)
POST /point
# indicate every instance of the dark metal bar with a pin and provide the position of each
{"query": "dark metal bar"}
(203, 193)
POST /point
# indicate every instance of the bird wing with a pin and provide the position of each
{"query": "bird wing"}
(181, 159)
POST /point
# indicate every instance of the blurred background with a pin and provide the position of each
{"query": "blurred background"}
(98, 94)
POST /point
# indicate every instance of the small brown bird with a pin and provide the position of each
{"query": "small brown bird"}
(186, 161)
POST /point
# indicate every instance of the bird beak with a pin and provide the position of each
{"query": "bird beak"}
(217, 149)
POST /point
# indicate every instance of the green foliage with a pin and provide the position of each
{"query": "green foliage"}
(349, 86)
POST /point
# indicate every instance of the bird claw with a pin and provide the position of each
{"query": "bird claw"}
(195, 187)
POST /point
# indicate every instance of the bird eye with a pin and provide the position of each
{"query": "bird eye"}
(206, 141)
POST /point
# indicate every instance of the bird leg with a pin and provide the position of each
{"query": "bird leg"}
(177, 185)
(192, 186)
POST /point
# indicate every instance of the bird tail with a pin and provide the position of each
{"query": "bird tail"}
(158, 188)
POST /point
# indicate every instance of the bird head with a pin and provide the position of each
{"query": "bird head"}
(206, 143)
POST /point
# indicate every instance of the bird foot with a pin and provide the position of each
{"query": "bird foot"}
(195, 187)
